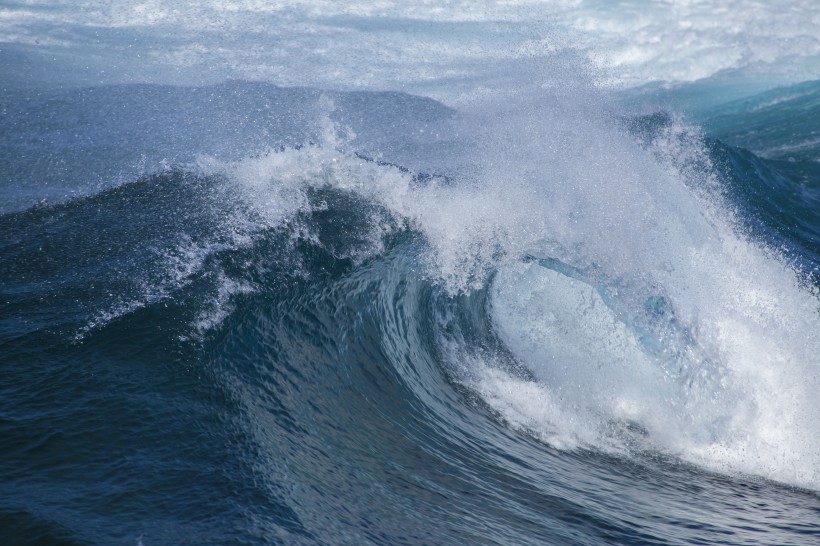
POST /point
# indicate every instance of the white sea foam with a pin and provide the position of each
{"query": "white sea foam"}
(669, 318)
(437, 49)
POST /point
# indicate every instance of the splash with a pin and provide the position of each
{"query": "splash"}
(619, 278)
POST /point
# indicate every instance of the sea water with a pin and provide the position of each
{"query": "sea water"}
(399, 273)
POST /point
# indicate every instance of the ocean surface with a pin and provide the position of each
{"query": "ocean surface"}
(409, 273)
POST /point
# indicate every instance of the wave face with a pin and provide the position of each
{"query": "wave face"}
(543, 312)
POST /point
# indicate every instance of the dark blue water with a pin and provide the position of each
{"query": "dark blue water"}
(219, 325)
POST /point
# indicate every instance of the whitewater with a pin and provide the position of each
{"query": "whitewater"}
(495, 273)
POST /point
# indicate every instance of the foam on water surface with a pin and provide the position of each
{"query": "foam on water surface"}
(438, 49)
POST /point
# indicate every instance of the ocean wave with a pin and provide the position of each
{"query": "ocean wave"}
(537, 318)
(647, 303)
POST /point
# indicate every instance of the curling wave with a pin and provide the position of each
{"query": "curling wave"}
(562, 291)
